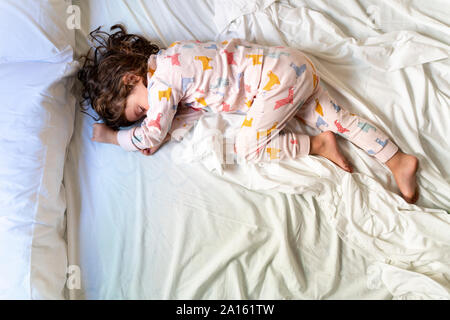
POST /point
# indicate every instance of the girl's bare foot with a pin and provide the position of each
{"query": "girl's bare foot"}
(404, 167)
(325, 145)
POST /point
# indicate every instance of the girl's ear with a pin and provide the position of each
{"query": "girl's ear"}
(130, 79)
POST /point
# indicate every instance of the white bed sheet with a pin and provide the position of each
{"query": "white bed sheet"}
(168, 230)
(408, 68)
(162, 21)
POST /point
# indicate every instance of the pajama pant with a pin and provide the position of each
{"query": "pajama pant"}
(290, 87)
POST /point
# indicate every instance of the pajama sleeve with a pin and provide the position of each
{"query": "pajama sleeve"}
(163, 101)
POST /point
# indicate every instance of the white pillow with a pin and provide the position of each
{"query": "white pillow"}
(36, 123)
(35, 129)
(35, 29)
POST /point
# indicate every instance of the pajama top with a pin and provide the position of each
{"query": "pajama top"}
(202, 76)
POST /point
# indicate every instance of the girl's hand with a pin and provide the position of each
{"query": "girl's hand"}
(150, 151)
(146, 152)
(102, 133)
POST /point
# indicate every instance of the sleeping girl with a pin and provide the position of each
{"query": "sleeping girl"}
(129, 79)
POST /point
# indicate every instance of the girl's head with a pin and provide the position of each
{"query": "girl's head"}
(115, 76)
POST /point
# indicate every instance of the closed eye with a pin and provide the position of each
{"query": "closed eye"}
(141, 112)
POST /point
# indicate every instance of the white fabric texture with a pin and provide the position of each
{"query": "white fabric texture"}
(366, 218)
(39, 28)
(162, 21)
(36, 74)
(187, 224)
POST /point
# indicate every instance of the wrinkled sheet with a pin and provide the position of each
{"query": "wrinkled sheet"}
(186, 223)
(409, 72)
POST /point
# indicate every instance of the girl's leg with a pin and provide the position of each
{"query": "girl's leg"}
(404, 167)
(263, 136)
(286, 81)
(322, 112)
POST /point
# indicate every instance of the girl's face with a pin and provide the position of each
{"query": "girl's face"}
(137, 103)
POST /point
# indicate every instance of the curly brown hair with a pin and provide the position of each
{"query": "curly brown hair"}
(102, 75)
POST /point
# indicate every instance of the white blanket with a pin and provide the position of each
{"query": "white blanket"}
(398, 80)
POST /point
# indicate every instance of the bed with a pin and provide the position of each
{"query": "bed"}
(186, 224)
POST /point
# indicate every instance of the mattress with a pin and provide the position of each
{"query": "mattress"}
(182, 225)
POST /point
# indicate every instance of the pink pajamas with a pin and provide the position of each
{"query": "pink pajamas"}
(290, 87)
(269, 84)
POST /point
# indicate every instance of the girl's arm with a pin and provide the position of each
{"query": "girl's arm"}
(104, 134)
(163, 101)
(150, 151)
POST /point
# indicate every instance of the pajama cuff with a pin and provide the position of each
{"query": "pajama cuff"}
(124, 140)
(305, 145)
(387, 152)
